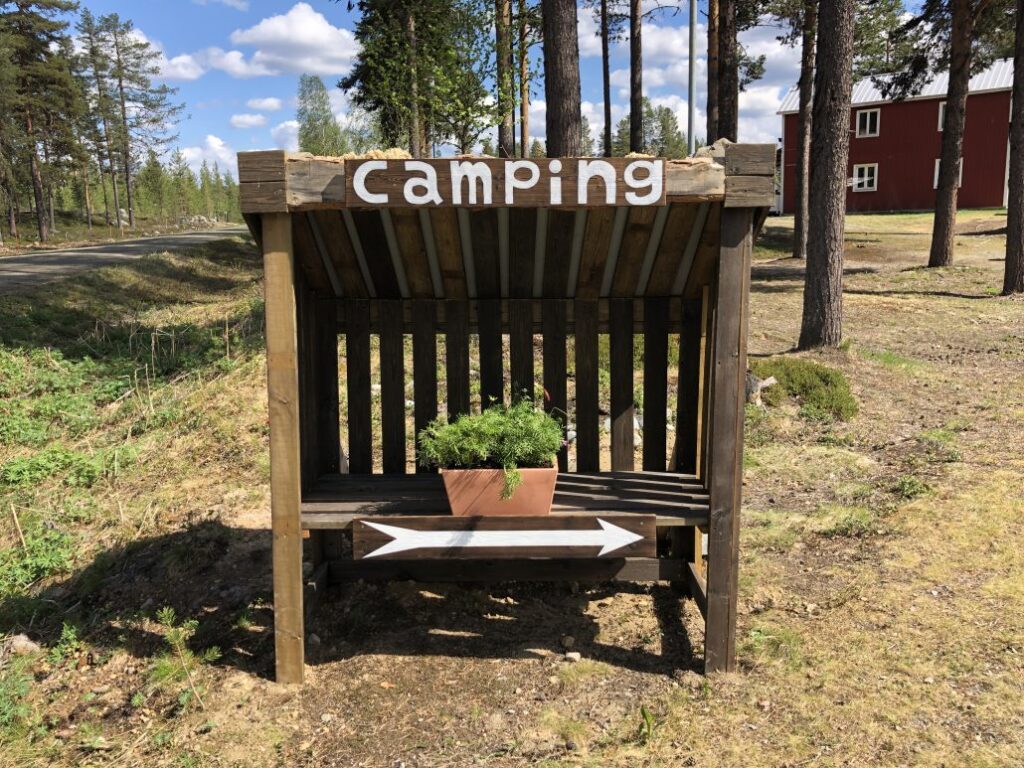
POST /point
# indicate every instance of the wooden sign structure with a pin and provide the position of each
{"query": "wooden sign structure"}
(482, 256)
(480, 182)
(562, 536)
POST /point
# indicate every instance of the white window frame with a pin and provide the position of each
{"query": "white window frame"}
(878, 123)
(857, 185)
(942, 115)
(935, 178)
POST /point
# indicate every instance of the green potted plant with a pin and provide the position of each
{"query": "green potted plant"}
(497, 462)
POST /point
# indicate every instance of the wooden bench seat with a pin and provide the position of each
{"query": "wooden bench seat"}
(335, 500)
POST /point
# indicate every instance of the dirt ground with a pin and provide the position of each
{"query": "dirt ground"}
(881, 617)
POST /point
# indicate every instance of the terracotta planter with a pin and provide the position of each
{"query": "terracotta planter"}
(477, 492)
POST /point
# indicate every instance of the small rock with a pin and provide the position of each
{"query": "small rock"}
(20, 645)
(314, 639)
(326, 717)
(570, 745)
(573, 656)
(568, 641)
(553, 679)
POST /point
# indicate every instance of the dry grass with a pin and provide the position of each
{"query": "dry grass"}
(881, 590)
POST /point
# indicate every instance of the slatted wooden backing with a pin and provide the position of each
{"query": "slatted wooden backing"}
(520, 320)
(491, 364)
(457, 357)
(620, 323)
(555, 384)
(424, 366)
(357, 351)
(655, 382)
(392, 387)
(587, 415)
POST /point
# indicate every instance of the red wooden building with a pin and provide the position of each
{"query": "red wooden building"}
(895, 146)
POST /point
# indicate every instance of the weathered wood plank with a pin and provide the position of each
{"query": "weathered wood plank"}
(620, 326)
(374, 241)
(517, 537)
(456, 345)
(632, 250)
(670, 251)
(413, 252)
(596, 239)
(341, 252)
(655, 383)
(307, 256)
(484, 228)
(520, 315)
(492, 387)
(558, 252)
(357, 372)
(749, 160)
(694, 179)
(522, 247)
(263, 165)
(554, 360)
(392, 387)
(588, 456)
(445, 224)
(424, 368)
(749, 191)
(283, 401)
(727, 414)
(688, 395)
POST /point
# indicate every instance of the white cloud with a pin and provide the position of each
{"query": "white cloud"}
(248, 121)
(588, 33)
(286, 135)
(183, 67)
(212, 150)
(239, 5)
(233, 63)
(269, 104)
(301, 40)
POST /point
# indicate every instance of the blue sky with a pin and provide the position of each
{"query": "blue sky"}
(237, 63)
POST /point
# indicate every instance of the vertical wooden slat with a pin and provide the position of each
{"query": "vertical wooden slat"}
(620, 328)
(413, 252)
(326, 372)
(489, 326)
(522, 246)
(688, 395)
(558, 252)
(445, 224)
(632, 250)
(483, 225)
(424, 367)
(588, 452)
(727, 415)
(707, 392)
(370, 230)
(456, 346)
(392, 387)
(283, 403)
(520, 331)
(357, 351)
(655, 382)
(595, 252)
(553, 327)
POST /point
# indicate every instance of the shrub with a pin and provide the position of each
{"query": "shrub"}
(823, 393)
(500, 437)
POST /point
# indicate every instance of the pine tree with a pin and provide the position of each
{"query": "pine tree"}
(562, 78)
(43, 88)
(487, 147)
(319, 131)
(586, 138)
(537, 149)
(152, 185)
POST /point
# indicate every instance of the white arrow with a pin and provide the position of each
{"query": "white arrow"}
(609, 537)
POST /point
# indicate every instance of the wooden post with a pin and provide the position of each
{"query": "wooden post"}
(725, 481)
(283, 399)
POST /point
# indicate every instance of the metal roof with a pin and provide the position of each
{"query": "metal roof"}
(998, 77)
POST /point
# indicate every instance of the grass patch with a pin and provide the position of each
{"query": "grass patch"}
(845, 521)
(909, 487)
(581, 671)
(822, 393)
(45, 552)
(765, 644)
(891, 359)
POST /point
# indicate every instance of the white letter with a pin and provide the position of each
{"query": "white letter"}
(512, 183)
(428, 184)
(589, 169)
(654, 180)
(555, 166)
(474, 173)
(359, 181)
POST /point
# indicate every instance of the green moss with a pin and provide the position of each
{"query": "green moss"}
(822, 393)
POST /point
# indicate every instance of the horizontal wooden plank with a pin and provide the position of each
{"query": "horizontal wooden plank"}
(694, 179)
(749, 191)
(698, 588)
(263, 196)
(261, 166)
(749, 160)
(617, 569)
(315, 182)
(445, 537)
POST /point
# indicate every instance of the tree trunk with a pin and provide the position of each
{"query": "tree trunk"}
(524, 81)
(126, 138)
(712, 132)
(12, 219)
(503, 57)
(636, 78)
(88, 197)
(1013, 279)
(728, 72)
(562, 78)
(606, 80)
(37, 182)
(803, 157)
(830, 147)
(415, 147)
(960, 45)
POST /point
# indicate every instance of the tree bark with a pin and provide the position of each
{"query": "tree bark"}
(944, 228)
(524, 81)
(415, 148)
(830, 147)
(37, 181)
(712, 132)
(1013, 279)
(503, 55)
(728, 72)
(606, 80)
(636, 78)
(126, 138)
(804, 117)
(12, 219)
(562, 78)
